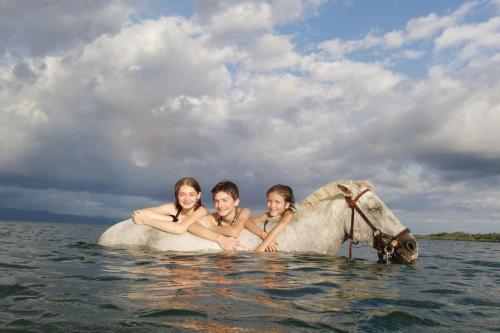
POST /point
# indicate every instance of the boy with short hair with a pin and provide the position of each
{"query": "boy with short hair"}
(228, 219)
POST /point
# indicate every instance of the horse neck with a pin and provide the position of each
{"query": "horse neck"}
(328, 218)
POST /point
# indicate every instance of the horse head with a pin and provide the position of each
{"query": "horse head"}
(372, 222)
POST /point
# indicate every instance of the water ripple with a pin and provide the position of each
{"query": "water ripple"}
(483, 263)
(398, 320)
(295, 292)
(443, 291)
(110, 307)
(477, 302)
(380, 302)
(296, 324)
(170, 313)
(17, 291)
(17, 266)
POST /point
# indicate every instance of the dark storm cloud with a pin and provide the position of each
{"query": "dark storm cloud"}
(23, 72)
(458, 166)
(37, 28)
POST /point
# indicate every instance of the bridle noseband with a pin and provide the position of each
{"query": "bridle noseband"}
(383, 248)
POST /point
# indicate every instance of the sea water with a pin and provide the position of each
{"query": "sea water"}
(55, 278)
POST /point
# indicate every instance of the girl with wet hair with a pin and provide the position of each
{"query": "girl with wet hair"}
(181, 215)
(280, 205)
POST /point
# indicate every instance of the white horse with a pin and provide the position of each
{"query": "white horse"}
(322, 222)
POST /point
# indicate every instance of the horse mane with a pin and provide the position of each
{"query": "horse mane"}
(329, 191)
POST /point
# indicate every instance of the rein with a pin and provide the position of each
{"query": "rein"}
(383, 248)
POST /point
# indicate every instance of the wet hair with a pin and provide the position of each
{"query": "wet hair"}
(286, 192)
(228, 187)
(189, 181)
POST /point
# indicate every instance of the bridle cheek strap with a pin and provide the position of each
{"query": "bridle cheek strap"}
(352, 203)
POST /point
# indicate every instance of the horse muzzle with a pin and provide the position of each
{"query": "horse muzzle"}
(405, 249)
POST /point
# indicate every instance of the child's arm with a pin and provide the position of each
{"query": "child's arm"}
(252, 226)
(278, 228)
(227, 243)
(174, 228)
(161, 213)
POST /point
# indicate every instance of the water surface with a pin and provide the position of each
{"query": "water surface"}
(54, 277)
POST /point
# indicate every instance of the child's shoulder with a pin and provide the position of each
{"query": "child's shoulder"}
(245, 211)
(203, 210)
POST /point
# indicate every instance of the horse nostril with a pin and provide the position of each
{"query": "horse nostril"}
(411, 245)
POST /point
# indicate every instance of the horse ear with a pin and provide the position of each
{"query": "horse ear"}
(345, 190)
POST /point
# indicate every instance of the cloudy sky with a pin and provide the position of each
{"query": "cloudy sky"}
(105, 104)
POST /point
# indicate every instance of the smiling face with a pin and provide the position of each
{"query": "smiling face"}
(224, 203)
(188, 197)
(190, 188)
(276, 204)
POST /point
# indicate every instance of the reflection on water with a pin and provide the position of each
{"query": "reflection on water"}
(222, 290)
(55, 278)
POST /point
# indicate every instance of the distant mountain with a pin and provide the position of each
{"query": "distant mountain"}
(10, 214)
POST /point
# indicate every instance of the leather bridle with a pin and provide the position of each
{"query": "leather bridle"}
(383, 248)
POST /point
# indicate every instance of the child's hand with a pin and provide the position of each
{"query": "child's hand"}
(273, 247)
(229, 243)
(138, 217)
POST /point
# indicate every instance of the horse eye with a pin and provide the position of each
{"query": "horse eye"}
(374, 206)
